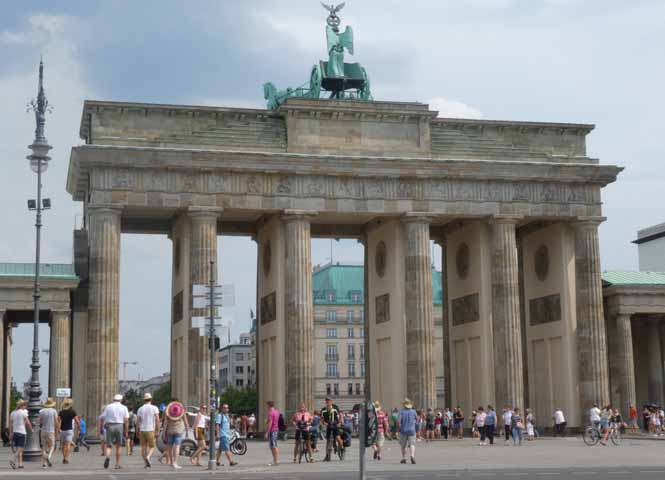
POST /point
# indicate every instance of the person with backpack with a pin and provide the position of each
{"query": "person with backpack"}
(274, 424)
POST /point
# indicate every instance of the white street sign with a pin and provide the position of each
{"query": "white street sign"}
(227, 294)
(203, 302)
(63, 392)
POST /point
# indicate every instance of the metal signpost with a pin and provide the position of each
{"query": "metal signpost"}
(211, 296)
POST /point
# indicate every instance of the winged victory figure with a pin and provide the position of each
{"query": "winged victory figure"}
(337, 41)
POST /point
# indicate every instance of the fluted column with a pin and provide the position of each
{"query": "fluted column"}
(299, 314)
(203, 250)
(59, 356)
(624, 363)
(420, 377)
(655, 367)
(508, 370)
(103, 309)
(591, 337)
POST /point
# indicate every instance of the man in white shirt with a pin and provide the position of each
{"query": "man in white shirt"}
(594, 415)
(148, 428)
(507, 423)
(18, 423)
(48, 424)
(559, 422)
(115, 422)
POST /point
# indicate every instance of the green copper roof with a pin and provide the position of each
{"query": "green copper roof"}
(63, 271)
(634, 278)
(345, 283)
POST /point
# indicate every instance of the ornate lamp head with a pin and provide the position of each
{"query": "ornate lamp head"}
(40, 147)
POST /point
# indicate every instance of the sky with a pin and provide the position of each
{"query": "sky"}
(586, 61)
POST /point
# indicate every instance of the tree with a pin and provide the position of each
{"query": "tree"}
(14, 398)
(241, 401)
(133, 398)
(162, 394)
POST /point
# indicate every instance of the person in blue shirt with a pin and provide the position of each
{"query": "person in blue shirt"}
(490, 424)
(406, 426)
(223, 423)
(80, 440)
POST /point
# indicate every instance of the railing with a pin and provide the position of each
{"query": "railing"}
(332, 357)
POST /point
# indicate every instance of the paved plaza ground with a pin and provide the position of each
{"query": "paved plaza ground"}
(562, 458)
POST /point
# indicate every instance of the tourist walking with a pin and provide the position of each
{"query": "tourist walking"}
(517, 426)
(632, 418)
(315, 430)
(480, 424)
(507, 423)
(80, 438)
(272, 431)
(175, 428)
(381, 430)
(68, 419)
(223, 426)
(19, 425)
(490, 424)
(131, 430)
(147, 425)
(406, 426)
(393, 423)
(251, 425)
(530, 425)
(559, 422)
(458, 418)
(48, 426)
(114, 420)
(200, 435)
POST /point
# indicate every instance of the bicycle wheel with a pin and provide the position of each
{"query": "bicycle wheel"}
(301, 451)
(591, 436)
(615, 436)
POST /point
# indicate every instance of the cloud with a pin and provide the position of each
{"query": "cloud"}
(453, 108)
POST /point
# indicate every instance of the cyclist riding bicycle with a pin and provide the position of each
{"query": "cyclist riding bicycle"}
(302, 421)
(330, 416)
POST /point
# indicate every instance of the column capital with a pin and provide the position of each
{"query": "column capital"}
(588, 222)
(505, 219)
(104, 208)
(298, 215)
(417, 217)
(204, 212)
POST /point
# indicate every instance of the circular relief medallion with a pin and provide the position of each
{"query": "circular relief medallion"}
(380, 259)
(462, 261)
(542, 262)
(267, 258)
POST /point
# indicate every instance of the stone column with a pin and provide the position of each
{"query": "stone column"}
(508, 371)
(420, 377)
(591, 337)
(4, 403)
(203, 250)
(624, 363)
(59, 357)
(103, 309)
(655, 362)
(299, 311)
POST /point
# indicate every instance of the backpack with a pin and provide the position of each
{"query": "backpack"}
(281, 423)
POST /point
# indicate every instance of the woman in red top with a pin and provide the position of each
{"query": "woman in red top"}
(381, 428)
(632, 417)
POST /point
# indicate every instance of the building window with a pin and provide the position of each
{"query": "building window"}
(350, 389)
(349, 316)
(331, 297)
(240, 370)
(362, 370)
(328, 389)
(336, 389)
(362, 333)
(352, 370)
(224, 359)
(362, 351)
(331, 353)
(350, 352)
(331, 332)
(362, 316)
(356, 297)
(331, 316)
(331, 370)
(357, 389)
(350, 333)
(239, 357)
(238, 382)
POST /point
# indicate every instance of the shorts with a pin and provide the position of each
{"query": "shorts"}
(272, 439)
(200, 433)
(114, 433)
(430, 427)
(604, 424)
(18, 439)
(632, 421)
(147, 439)
(48, 440)
(301, 434)
(407, 440)
(380, 439)
(174, 439)
(66, 436)
(224, 445)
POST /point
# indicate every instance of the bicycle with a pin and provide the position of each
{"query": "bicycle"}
(592, 435)
(303, 451)
(339, 451)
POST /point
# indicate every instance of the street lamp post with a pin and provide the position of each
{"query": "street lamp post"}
(38, 163)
